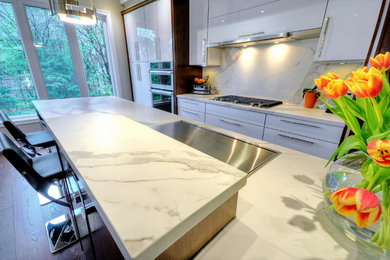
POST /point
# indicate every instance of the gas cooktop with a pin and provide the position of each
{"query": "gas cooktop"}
(255, 102)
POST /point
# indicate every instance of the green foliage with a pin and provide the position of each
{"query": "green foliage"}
(50, 38)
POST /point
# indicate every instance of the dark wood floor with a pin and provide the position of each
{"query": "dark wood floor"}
(22, 224)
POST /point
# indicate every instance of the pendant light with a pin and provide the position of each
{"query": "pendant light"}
(77, 12)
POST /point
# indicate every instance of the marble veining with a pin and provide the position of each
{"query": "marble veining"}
(146, 184)
(279, 71)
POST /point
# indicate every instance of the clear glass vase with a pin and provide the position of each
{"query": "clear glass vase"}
(345, 172)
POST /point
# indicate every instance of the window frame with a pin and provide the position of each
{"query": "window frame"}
(33, 61)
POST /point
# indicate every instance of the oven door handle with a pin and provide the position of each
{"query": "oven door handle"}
(165, 72)
(161, 92)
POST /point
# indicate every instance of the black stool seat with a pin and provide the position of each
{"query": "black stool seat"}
(41, 139)
(48, 166)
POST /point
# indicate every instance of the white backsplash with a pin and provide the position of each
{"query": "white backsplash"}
(278, 71)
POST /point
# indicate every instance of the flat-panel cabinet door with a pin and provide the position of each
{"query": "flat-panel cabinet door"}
(136, 36)
(198, 31)
(151, 31)
(267, 19)
(347, 30)
(141, 83)
(223, 7)
(164, 40)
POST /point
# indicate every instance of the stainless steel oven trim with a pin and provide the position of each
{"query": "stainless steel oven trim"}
(164, 72)
(163, 92)
(161, 86)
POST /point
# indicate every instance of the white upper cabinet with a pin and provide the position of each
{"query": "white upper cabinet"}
(232, 20)
(151, 32)
(136, 35)
(164, 40)
(347, 30)
(199, 53)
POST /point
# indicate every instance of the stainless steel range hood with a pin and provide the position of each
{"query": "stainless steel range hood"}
(252, 39)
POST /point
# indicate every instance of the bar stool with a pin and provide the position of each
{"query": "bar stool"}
(41, 173)
(31, 141)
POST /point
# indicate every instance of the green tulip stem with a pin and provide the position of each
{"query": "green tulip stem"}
(372, 182)
(377, 110)
(347, 118)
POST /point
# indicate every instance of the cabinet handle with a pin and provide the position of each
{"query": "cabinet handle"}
(190, 112)
(204, 51)
(250, 34)
(297, 139)
(296, 123)
(189, 102)
(229, 122)
(324, 36)
(136, 48)
(158, 48)
(139, 74)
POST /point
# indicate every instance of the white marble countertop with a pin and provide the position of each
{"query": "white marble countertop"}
(286, 109)
(280, 212)
(149, 189)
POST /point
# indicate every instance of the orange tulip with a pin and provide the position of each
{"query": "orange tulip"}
(365, 82)
(379, 150)
(335, 88)
(381, 61)
(325, 79)
(362, 204)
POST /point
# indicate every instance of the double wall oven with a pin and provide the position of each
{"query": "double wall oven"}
(161, 85)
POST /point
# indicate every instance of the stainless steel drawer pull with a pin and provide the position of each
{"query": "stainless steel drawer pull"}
(190, 112)
(296, 123)
(297, 139)
(189, 102)
(229, 122)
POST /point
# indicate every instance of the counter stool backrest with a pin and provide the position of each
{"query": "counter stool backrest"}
(12, 128)
(19, 160)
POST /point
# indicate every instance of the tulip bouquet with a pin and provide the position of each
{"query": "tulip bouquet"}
(368, 117)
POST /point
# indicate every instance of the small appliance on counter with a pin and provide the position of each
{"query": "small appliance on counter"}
(201, 87)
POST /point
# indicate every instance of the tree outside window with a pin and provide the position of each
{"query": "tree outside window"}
(16, 87)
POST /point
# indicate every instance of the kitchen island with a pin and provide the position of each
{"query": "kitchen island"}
(280, 213)
(157, 196)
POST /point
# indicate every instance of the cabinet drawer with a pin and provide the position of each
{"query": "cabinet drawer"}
(191, 114)
(305, 128)
(235, 126)
(311, 146)
(236, 114)
(198, 106)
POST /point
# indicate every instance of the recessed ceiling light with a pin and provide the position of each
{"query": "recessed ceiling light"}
(223, 21)
(262, 11)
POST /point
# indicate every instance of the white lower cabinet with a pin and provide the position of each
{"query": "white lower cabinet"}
(191, 109)
(237, 120)
(235, 126)
(303, 135)
(306, 135)
(304, 144)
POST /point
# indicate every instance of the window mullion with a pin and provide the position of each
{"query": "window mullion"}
(77, 59)
(30, 50)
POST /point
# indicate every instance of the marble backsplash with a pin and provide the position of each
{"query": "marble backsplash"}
(278, 71)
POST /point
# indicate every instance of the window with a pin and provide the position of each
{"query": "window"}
(67, 61)
(95, 59)
(52, 46)
(16, 86)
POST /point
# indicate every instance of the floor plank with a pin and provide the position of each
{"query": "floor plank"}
(22, 224)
